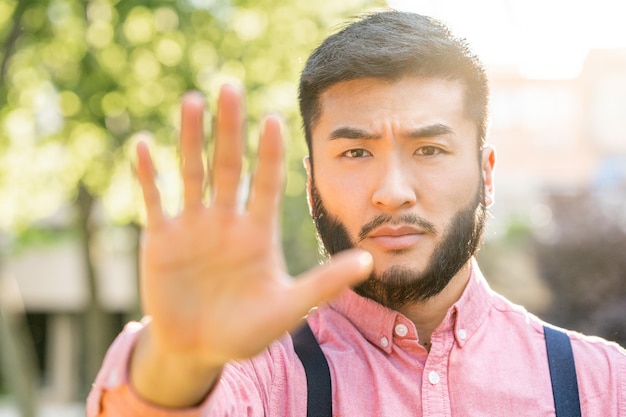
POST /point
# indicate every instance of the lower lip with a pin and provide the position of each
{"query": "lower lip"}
(396, 242)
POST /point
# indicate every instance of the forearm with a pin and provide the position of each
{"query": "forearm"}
(234, 392)
(167, 380)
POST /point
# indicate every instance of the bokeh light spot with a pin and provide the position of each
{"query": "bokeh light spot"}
(69, 103)
(169, 52)
(139, 26)
(165, 19)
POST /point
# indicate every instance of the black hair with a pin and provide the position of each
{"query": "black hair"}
(389, 45)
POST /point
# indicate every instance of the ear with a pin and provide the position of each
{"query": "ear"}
(306, 161)
(488, 165)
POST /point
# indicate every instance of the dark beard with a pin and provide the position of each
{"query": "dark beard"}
(399, 286)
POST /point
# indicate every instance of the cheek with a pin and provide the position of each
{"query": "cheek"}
(449, 190)
(344, 197)
(341, 193)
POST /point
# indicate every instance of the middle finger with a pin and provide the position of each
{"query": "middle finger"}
(227, 158)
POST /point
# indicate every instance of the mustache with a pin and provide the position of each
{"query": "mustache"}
(408, 219)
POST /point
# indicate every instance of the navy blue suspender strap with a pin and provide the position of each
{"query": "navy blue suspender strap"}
(319, 390)
(562, 373)
(560, 362)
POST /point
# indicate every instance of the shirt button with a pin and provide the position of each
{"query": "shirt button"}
(434, 378)
(462, 333)
(384, 342)
(402, 330)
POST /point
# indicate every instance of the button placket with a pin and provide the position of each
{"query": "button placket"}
(433, 377)
(435, 389)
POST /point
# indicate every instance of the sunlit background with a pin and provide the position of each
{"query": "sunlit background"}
(81, 81)
(538, 38)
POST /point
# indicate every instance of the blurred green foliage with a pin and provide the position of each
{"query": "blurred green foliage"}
(81, 80)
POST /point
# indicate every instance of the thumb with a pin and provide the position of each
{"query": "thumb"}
(327, 281)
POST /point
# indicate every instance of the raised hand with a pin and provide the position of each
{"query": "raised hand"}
(213, 277)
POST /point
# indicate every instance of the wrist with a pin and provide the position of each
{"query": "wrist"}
(169, 379)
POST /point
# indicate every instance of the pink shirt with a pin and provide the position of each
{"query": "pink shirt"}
(488, 358)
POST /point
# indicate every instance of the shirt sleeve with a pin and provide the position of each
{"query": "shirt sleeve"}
(237, 393)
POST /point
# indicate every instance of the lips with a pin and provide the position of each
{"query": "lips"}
(396, 238)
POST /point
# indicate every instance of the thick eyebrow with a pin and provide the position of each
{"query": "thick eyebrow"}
(351, 133)
(429, 131)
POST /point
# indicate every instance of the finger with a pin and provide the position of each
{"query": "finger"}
(146, 175)
(191, 142)
(329, 280)
(268, 178)
(226, 169)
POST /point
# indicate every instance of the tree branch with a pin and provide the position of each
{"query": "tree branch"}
(14, 34)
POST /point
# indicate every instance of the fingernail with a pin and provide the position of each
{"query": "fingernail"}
(365, 258)
(193, 95)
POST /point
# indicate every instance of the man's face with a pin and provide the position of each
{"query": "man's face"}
(397, 172)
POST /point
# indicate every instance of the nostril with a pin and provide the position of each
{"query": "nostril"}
(394, 197)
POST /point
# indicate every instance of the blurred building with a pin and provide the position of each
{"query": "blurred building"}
(48, 283)
(561, 175)
(557, 135)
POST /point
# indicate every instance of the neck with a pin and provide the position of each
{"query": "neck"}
(427, 315)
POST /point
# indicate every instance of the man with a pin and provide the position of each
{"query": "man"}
(399, 180)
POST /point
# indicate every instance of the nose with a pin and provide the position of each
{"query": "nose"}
(395, 186)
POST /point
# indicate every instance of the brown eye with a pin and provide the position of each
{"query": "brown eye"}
(356, 153)
(428, 151)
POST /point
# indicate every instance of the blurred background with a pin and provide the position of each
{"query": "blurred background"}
(81, 81)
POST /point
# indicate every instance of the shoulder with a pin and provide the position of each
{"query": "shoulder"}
(594, 352)
(591, 349)
(515, 317)
(579, 340)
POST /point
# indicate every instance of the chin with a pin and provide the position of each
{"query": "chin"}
(386, 262)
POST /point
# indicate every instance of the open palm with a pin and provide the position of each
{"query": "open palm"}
(213, 277)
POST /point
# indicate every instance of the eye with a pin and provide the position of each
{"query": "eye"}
(356, 153)
(428, 151)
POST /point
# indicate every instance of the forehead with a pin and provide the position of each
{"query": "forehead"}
(408, 102)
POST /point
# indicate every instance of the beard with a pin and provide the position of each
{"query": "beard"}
(400, 285)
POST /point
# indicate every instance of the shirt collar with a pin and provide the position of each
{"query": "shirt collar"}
(376, 322)
(471, 309)
(373, 320)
